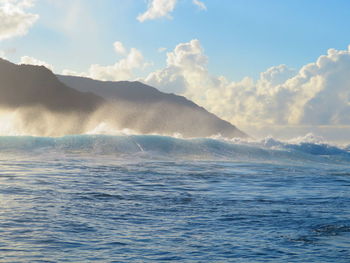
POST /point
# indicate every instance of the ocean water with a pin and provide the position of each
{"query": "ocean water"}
(99, 198)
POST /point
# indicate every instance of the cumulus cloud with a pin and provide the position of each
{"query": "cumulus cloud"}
(121, 70)
(185, 66)
(157, 9)
(200, 4)
(317, 94)
(33, 61)
(15, 21)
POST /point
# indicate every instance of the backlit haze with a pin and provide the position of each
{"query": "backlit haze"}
(278, 68)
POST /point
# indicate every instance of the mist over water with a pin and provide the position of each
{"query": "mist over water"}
(112, 118)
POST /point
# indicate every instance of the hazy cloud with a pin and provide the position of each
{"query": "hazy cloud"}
(200, 4)
(157, 9)
(162, 49)
(15, 21)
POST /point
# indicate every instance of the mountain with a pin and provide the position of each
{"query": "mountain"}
(28, 85)
(146, 109)
(40, 103)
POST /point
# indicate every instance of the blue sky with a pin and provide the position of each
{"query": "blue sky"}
(240, 37)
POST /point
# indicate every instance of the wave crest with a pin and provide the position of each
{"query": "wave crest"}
(268, 149)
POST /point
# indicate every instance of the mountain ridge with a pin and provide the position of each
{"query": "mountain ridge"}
(59, 105)
(41, 87)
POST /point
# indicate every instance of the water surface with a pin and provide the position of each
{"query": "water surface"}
(77, 200)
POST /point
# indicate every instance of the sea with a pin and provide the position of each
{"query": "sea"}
(152, 198)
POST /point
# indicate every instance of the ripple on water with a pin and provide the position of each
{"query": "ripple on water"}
(97, 209)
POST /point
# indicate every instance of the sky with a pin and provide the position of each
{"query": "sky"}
(272, 63)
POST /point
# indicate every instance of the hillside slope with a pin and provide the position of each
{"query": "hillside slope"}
(147, 109)
(27, 85)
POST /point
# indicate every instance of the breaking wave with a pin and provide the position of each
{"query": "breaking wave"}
(308, 148)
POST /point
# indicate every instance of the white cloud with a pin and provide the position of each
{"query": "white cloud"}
(185, 66)
(163, 8)
(200, 4)
(189, 56)
(157, 9)
(33, 61)
(121, 70)
(119, 48)
(14, 20)
(277, 75)
(317, 94)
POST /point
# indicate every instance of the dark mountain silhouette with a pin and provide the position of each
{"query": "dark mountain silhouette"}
(148, 110)
(28, 85)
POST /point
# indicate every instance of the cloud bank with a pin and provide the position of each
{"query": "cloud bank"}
(317, 94)
(157, 9)
(15, 21)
